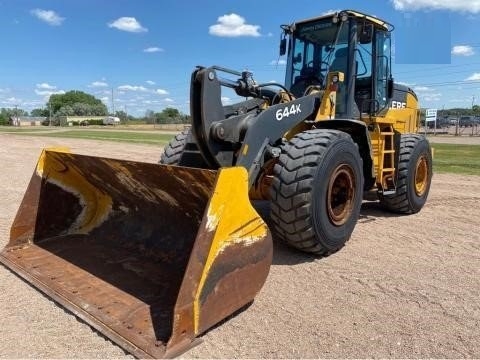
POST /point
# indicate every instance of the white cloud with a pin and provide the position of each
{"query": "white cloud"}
(129, 24)
(45, 89)
(427, 93)
(431, 97)
(48, 92)
(33, 103)
(161, 92)
(5, 90)
(422, 89)
(132, 88)
(97, 84)
(233, 25)
(168, 100)
(278, 62)
(473, 77)
(46, 86)
(105, 99)
(48, 16)
(153, 49)
(226, 100)
(464, 100)
(150, 82)
(462, 50)
(12, 100)
(472, 6)
(404, 83)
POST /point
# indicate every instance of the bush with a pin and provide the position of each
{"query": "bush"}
(94, 122)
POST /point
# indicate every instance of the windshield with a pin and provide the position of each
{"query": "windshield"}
(317, 47)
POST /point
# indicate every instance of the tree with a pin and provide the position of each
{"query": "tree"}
(81, 109)
(7, 113)
(171, 113)
(149, 116)
(170, 116)
(4, 118)
(70, 98)
(39, 112)
(122, 115)
(99, 109)
(66, 110)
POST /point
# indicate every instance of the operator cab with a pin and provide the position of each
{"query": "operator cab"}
(353, 43)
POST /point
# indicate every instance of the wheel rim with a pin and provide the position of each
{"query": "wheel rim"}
(421, 176)
(341, 195)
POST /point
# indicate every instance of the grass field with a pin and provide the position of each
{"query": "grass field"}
(152, 138)
(456, 159)
(125, 136)
(12, 129)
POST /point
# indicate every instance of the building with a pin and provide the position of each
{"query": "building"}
(26, 120)
(77, 120)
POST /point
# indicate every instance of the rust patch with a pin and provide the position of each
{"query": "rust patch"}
(236, 276)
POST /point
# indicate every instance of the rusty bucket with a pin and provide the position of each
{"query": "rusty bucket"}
(150, 255)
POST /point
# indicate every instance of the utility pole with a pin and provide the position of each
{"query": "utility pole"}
(113, 105)
(473, 114)
(457, 124)
(49, 114)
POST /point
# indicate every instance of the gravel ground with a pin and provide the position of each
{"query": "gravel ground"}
(403, 286)
(447, 139)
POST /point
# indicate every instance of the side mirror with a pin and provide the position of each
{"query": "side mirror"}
(365, 34)
(283, 46)
(390, 88)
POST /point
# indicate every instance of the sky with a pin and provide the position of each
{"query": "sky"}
(144, 51)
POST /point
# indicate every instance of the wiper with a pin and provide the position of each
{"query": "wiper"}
(332, 48)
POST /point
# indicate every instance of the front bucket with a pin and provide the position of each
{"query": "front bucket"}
(150, 255)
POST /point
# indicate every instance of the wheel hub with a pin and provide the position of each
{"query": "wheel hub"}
(341, 195)
(421, 176)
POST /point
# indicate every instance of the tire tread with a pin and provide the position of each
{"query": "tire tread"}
(291, 190)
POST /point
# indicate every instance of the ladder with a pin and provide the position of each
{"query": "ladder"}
(386, 163)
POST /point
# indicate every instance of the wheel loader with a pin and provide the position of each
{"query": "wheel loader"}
(153, 255)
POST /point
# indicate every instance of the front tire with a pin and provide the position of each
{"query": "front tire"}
(414, 176)
(174, 149)
(316, 192)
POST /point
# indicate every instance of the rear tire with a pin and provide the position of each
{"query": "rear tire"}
(316, 192)
(173, 151)
(414, 176)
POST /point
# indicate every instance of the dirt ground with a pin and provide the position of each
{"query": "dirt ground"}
(402, 287)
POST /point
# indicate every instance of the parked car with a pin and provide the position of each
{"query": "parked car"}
(468, 121)
(441, 123)
(452, 121)
(111, 120)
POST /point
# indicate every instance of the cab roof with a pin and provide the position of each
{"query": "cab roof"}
(385, 25)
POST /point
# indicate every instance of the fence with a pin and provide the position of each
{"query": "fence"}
(453, 130)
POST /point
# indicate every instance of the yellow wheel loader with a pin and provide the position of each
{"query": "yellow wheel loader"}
(153, 255)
